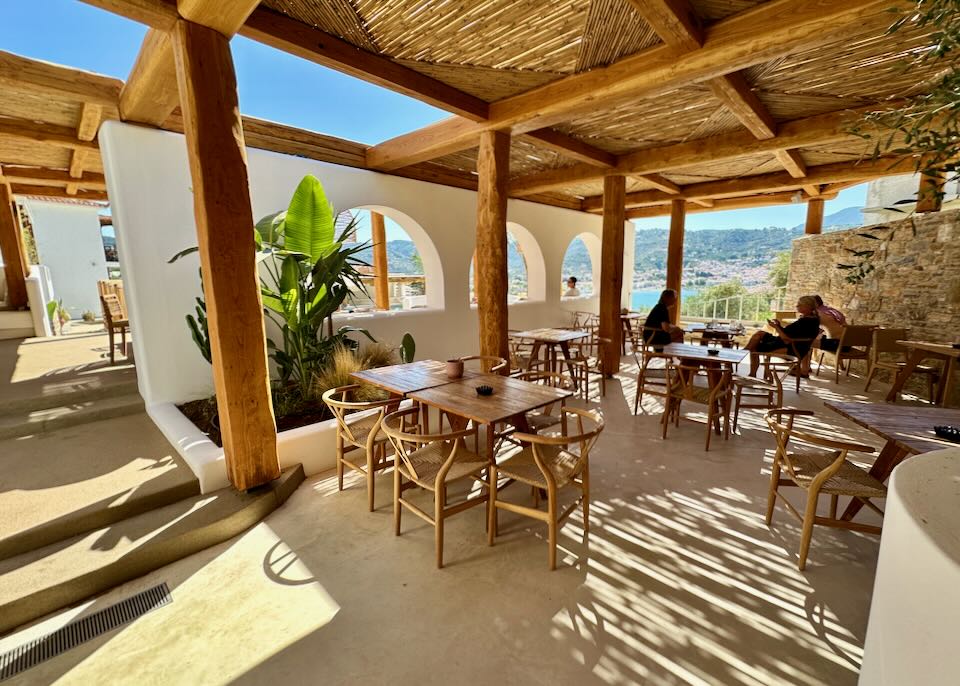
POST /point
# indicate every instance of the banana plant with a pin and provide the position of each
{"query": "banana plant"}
(310, 272)
(307, 272)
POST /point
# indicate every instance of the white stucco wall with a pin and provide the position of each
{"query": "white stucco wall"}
(69, 244)
(153, 215)
(885, 192)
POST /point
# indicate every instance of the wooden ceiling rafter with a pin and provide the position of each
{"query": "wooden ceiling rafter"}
(726, 204)
(827, 175)
(90, 116)
(41, 176)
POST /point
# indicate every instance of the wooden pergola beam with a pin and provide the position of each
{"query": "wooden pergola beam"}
(50, 134)
(834, 173)
(224, 217)
(87, 127)
(818, 130)
(611, 271)
(723, 204)
(50, 177)
(735, 93)
(381, 274)
(674, 21)
(55, 81)
(150, 94)
(490, 272)
(158, 14)
(659, 182)
(57, 192)
(15, 267)
(792, 161)
(283, 33)
(814, 222)
(678, 216)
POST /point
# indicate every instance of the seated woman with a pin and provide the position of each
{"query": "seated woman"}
(806, 328)
(660, 319)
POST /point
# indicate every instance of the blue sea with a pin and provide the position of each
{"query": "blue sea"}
(644, 300)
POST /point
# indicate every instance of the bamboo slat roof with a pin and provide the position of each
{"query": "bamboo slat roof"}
(495, 51)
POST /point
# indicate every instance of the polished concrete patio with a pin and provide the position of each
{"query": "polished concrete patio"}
(678, 582)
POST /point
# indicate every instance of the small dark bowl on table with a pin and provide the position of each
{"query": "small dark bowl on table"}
(950, 433)
(484, 390)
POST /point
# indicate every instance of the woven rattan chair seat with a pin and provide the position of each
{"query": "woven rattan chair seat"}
(428, 460)
(538, 421)
(849, 479)
(750, 383)
(697, 394)
(522, 466)
(361, 428)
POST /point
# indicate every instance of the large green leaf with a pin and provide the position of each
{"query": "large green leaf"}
(290, 290)
(309, 223)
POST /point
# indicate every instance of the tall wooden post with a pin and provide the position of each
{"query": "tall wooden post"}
(678, 217)
(611, 269)
(930, 192)
(221, 200)
(15, 268)
(814, 216)
(381, 281)
(490, 275)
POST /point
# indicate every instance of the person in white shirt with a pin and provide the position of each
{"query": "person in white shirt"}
(572, 291)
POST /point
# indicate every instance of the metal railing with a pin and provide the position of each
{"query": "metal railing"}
(750, 306)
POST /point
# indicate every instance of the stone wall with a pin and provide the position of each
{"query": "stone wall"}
(916, 281)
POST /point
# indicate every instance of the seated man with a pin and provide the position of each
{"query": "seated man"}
(807, 327)
(660, 319)
(572, 290)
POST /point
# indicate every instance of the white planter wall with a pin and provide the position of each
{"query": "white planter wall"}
(152, 211)
(69, 243)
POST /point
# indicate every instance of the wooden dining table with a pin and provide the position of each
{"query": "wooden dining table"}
(917, 352)
(402, 379)
(701, 353)
(510, 401)
(907, 430)
(549, 340)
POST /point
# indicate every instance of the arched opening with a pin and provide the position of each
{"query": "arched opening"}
(414, 272)
(526, 273)
(582, 261)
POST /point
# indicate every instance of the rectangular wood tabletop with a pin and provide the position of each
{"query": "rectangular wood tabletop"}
(944, 349)
(699, 353)
(551, 335)
(510, 397)
(908, 426)
(402, 379)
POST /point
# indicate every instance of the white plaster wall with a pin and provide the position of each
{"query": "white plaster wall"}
(885, 192)
(69, 244)
(153, 216)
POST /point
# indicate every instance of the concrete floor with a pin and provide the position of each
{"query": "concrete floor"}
(679, 582)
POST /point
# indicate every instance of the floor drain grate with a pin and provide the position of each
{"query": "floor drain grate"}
(73, 634)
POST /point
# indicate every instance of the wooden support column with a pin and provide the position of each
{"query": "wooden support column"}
(490, 275)
(381, 281)
(611, 269)
(15, 268)
(814, 216)
(930, 193)
(221, 200)
(678, 217)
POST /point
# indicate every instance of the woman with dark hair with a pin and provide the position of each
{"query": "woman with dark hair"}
(806, 328)
(660, 319)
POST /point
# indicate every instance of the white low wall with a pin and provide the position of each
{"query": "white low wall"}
(150, 190)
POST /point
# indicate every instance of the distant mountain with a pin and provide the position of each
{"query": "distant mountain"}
(845, 218)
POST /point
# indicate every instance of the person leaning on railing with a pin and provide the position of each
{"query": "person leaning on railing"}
(798, 334)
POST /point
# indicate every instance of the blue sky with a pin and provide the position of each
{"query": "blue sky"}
(276, 86)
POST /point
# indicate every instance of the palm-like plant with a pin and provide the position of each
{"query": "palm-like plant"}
(310, 272)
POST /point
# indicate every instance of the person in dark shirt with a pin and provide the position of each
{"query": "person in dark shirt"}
(660, 319)
(804, 329)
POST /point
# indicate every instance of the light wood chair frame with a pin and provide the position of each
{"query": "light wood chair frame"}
(644, 356)
(579, 477)
(682, 381)
(885, 341)
(784, 433)
(766, 394)
(405, 443)
(373, 446)
(859, 348)
(114, 320)
(587, 364)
